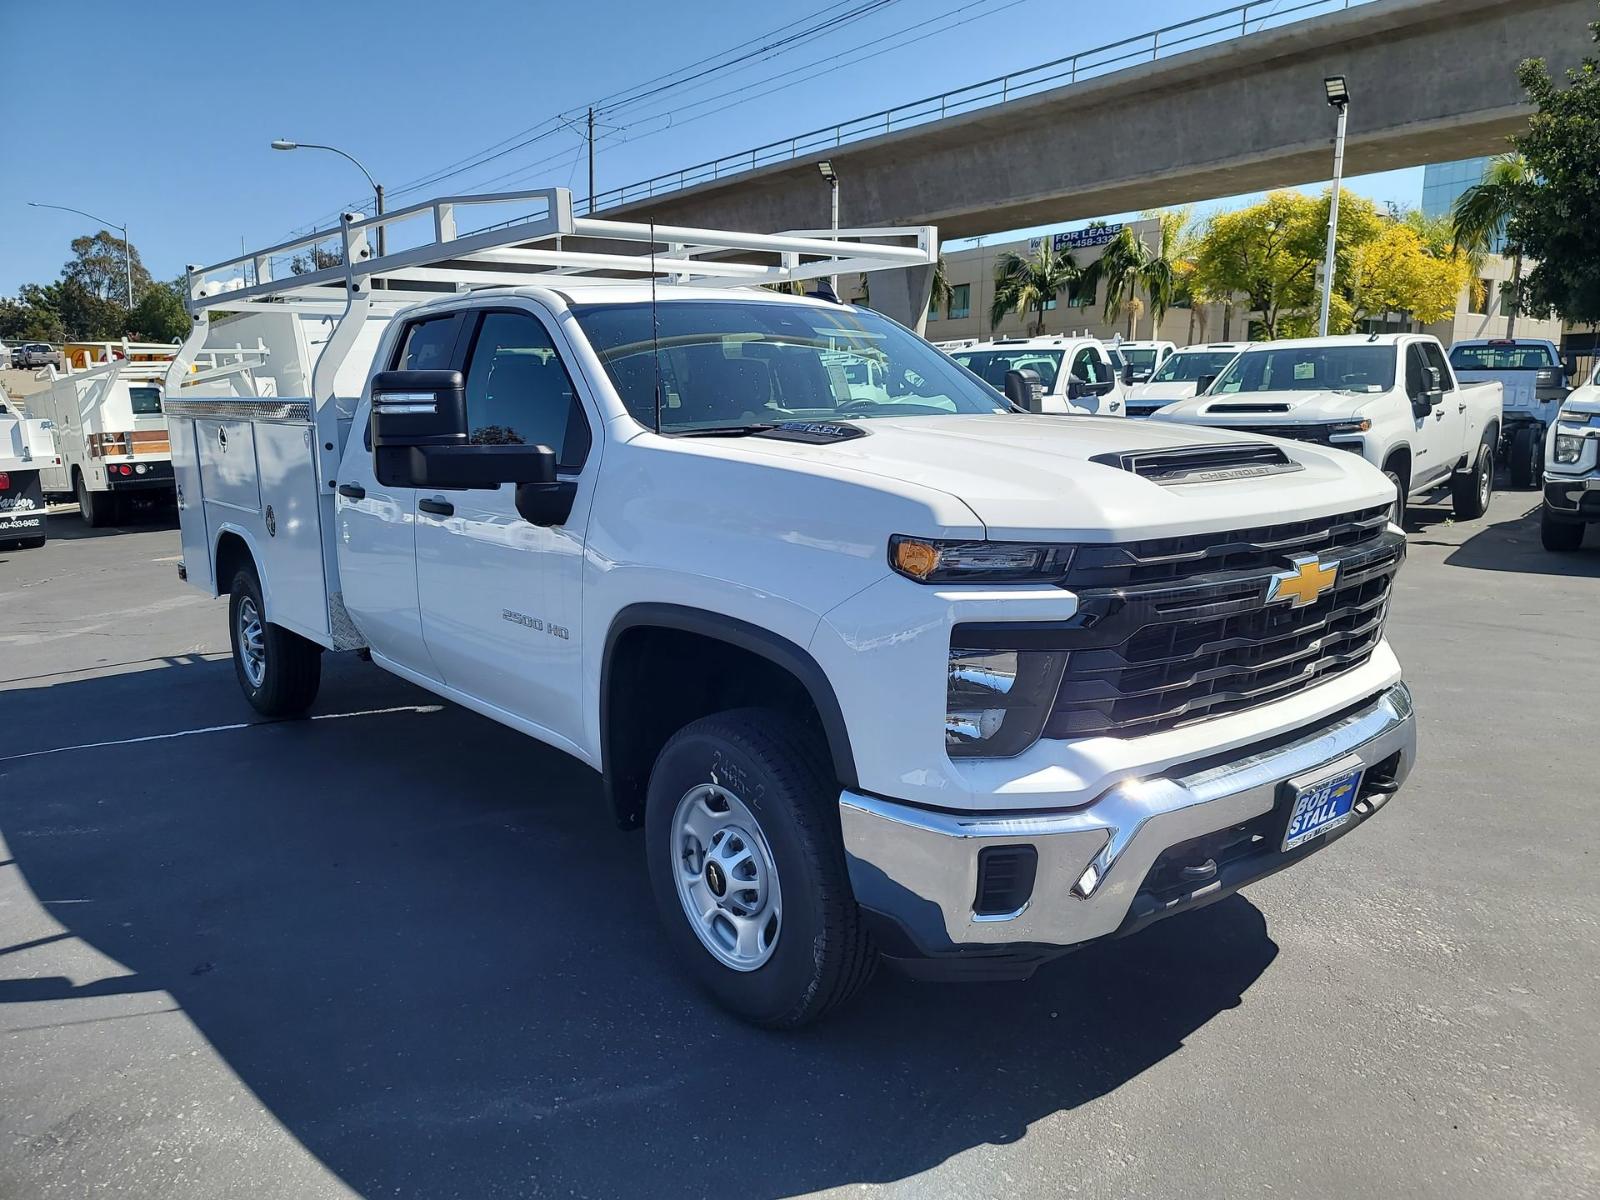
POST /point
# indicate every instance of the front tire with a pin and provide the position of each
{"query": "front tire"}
(1399, 497)
(1527, 458)
(278, 671)
(748, 868)
(1558, 536)
(1469, 493)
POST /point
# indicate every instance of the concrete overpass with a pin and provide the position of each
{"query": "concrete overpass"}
(1431, 81)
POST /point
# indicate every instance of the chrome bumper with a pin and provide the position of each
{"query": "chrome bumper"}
(918, 868)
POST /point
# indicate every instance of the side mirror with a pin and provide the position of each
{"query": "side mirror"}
(1128, 375)
(1076, 388)
(1203, 384)
(1024, 389)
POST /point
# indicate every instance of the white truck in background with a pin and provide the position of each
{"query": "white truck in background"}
(1183, 375)
(1572, 469)
(1058, 374)
(1534, 382)
(111, 433)
(26, 447)
(883, 667)
(1142, 359)
(1391, 398)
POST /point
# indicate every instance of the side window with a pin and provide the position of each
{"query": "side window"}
(1435, 358)
(519, 393)
(1086, 366)
(1415, 382)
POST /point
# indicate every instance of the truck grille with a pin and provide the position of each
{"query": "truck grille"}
(1172, 631)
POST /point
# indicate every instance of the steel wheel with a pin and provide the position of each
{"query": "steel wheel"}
(727, 880)
(252, 642)
(1485, 480)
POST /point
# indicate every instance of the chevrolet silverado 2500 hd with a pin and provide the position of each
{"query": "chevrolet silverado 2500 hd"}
(1069, 374)
(1572, 469)
(1391, 398)
(883, 668)
(1185, 374)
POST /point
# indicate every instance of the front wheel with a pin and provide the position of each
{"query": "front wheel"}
(278, 671)
(1399, 497)
(1470, 492)
(1561, 537)
(748, 869)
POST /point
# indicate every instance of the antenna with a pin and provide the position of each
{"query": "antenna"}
(655, 325)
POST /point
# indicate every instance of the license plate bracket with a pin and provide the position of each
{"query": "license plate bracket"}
(1322, 801)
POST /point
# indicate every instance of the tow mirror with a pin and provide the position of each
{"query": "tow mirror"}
(1128, 375)
(1076, 388)
(1203, 384)
(1024, 389)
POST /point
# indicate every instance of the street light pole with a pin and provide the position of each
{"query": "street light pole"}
(127, 246)
(1339, 97)
(377, 188)
(826, 167)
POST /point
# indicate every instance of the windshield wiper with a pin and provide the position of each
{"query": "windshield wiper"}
(726, 430)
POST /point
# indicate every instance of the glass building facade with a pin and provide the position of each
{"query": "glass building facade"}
(1442, 183)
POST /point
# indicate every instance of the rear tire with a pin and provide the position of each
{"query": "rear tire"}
(1560, 537)
(96, 508)
(753, 789)
(278, 671)
(1470, 492)
(1527, 458)
(1399, 497)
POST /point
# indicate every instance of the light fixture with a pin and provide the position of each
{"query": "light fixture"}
(284, 144)
(826, 167)
(1338, 91)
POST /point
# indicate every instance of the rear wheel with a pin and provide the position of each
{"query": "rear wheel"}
(278, 671)
(1557, 535)
(1527, 457)
(748, 869)
(96, 508)
(1470, 492)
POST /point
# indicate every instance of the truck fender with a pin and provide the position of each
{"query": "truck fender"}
(229, 529)
(779, 651)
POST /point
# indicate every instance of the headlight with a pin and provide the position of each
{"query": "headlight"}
(1569, 448)
(930, 561)
(997, 700)
(1346, 428)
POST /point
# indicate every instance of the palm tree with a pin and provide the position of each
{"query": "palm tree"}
(1135, 309)
(1478, 219)
(1129, 266)
(1027, 285)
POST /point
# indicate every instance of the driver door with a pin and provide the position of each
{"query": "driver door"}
(1435, 440)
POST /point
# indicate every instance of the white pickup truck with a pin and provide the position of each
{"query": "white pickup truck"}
(1534, 382)
(1183, 375)
(1391, 398)
(883, 669)
(1572, 469)
(1061, 374)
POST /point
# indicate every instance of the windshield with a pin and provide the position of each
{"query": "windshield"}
(731, 363)
(1502, 358)
(1139, 359)
(146, 401)
(991, 365)
(1186, 367)
(1310, 369)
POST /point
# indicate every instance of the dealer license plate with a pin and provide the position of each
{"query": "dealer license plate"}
(1322, 807)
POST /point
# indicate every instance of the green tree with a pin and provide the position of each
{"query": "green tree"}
(1556, 216)
(1026, 285)
(160, 315)
(100, 263)
(1129, 266)
(1480, 217)
(938, 296)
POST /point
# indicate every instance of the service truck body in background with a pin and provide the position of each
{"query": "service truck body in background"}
(26, 447)
(882, 666)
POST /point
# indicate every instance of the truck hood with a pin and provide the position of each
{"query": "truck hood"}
(1268, 408)
(1152, 393)
(1027, 476)
(1584, 400)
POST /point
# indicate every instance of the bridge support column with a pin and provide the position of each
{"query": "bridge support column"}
(903, 295)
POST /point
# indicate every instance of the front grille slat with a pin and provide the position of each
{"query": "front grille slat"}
(1172, 631)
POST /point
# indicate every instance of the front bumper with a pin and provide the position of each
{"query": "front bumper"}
(1145, 849)
(1573, 498)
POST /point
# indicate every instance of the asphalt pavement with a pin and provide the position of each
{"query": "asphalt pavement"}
(398, 950)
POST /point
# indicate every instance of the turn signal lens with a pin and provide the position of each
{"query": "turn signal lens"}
(929, 561)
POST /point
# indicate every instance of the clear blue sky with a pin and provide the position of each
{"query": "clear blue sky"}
(165, 125)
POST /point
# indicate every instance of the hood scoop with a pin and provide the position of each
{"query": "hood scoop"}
(815, 433)
(1246, 408)
(1202, 464)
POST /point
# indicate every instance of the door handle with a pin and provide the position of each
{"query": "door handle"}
(1461, 408)
(352, 491)
(439, 508)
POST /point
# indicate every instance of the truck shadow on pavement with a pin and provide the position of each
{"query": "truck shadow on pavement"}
(1507, 539)
(420, 942)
